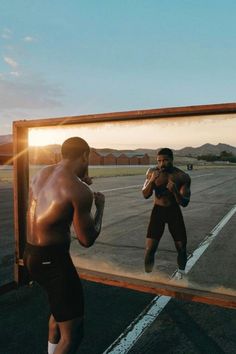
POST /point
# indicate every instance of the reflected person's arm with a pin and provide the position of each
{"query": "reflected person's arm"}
(147, 189)
(87, 227)
(182, 196)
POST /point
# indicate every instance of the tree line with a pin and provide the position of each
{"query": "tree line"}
(224, 156)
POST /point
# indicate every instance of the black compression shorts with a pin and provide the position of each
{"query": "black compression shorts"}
(172, 216)
(52, 268)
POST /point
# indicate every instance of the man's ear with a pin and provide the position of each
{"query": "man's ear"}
(85, 156)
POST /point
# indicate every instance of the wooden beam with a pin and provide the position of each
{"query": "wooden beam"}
(156, 288)
(223, 108)
(21, 185)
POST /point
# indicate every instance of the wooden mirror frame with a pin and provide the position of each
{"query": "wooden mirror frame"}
(21, 185)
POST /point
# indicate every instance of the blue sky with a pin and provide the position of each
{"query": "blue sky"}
(61, 58)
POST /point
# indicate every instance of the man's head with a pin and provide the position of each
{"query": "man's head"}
(73, 148)
(76, 150)
(165, 159)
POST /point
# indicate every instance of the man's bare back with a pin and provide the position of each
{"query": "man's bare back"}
(51, 205)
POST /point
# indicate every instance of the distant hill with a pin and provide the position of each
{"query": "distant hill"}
(186, 151)
(55, 148)
(206, 149)
(105, 151)
(5, 139)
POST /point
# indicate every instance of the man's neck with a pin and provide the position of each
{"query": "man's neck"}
(168, 169)
(72, 166)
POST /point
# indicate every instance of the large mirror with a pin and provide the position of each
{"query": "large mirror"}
(204, 147)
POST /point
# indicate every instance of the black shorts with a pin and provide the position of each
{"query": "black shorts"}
(52, 268)
(172, 216)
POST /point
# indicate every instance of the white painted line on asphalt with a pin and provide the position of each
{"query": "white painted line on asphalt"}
(212, 192)
(209, 238)
(207, 174)
(140, 185)
(116, 189)
(134, 331)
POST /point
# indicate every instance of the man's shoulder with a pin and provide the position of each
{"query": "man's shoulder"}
(182, 174)
(152, 169)
(43, 173)
(79, 188)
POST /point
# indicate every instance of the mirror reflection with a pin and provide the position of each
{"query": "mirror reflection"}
(123, 158)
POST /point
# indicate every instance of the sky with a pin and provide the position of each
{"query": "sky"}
(61, 58)
(176, 133)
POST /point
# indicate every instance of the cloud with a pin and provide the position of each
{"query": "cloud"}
(6, 34)
(15, 73)
(28, 39)
(23, 100)
(10, 62)
(32, 93)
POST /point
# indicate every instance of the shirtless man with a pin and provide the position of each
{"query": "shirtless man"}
(172, 189)
(59, 196)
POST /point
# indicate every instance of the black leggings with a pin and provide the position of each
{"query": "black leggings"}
(52, 268)
(172, 216)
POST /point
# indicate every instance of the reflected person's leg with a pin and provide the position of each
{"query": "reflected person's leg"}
(151, 247)
(178, 231)
(182, 254)
(53, 335)
(154, 233)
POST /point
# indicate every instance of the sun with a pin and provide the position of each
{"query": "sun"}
(37, 137)
(46, 136)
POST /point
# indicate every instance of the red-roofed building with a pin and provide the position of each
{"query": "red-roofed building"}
(95, 158)
(6, 154)
(109, 159)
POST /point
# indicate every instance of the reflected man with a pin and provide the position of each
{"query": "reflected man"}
(59, 196)
(172, 190)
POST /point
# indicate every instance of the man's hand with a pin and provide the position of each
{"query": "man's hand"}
(171, 186)
(99, 199)
(152, 174)
(87, 180)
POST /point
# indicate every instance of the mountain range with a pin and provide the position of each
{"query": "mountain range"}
(5, 139)
(205, 149)
(186, 151)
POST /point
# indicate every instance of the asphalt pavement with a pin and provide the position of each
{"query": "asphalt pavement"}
(113, 314)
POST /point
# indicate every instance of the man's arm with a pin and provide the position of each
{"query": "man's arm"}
(87, 227)
(147, 189)
(182, 196)
(88, 180)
